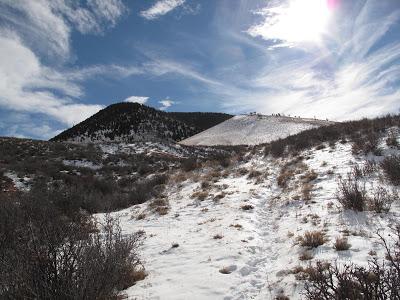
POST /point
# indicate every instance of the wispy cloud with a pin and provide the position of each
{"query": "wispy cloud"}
(33, 52)
(136, 99)
(47, 25)
(160, 8)
(350, 71)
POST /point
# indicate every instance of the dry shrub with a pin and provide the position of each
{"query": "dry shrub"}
(237, 226)
(276, 149)
(351, 193)
(205, 185)
(391, 140)
(200, 195)
(306, 255)
(366, 143)
(306, 191)
(391, 168)
(382, 200)
(376, 281)
(242, 171)
(162, 210)
(309, 176)
(341, 244)
(312, 239)
(190, 164)
(218, 236)
(46, 254)
(141, 216)
(284, 176)
(254, 174)
(247, 207)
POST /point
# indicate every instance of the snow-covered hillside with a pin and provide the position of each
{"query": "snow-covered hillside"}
(235, 233)
(252, 130)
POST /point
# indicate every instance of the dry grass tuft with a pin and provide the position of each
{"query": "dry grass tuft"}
(312, 239)
(237, 226)
(247, 207)
(141, 216)
(306, 255)
(341, 244)
(200, 195)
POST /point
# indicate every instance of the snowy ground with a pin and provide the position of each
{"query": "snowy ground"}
(258, 247)
(252, 130)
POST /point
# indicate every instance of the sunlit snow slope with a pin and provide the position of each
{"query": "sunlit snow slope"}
(252, 130)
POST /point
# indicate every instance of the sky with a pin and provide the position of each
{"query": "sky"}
(61, 61)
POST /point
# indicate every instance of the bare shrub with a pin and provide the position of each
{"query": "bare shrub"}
(45, 254)
(382, 200)
(391, 168)
(376, 281)
(341, 244)
(306, 191)
(369, 167)
(351, 193)
(312, 239)
(284, 176)
(310, 176)
(366, 143)
(391, 140)
(190, 164)
(277, 148)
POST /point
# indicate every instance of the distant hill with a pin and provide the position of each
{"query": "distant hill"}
(130, 122)
(252, 130)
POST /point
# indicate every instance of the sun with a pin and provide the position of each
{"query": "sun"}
(296, 22)
(306, 20)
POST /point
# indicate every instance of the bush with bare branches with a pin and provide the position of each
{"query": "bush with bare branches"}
(391, 167)
(351, 193)
(46, 253)
(378, 280)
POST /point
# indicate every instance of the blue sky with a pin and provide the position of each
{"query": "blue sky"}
(61, 60)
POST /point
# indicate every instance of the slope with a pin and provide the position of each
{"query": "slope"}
(252, 130)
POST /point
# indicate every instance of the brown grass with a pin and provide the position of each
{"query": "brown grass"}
(341, 244)
(306, 255)
(312, 239)
(200, 195)
(247, 207)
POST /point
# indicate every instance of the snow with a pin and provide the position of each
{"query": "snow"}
(252, 130)
(21, 184)
(259, 247)
(82, 164)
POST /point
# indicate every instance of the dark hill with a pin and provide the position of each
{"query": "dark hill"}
(201, 120)
(130, 122)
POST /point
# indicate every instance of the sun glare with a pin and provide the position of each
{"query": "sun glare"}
(302, 20)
